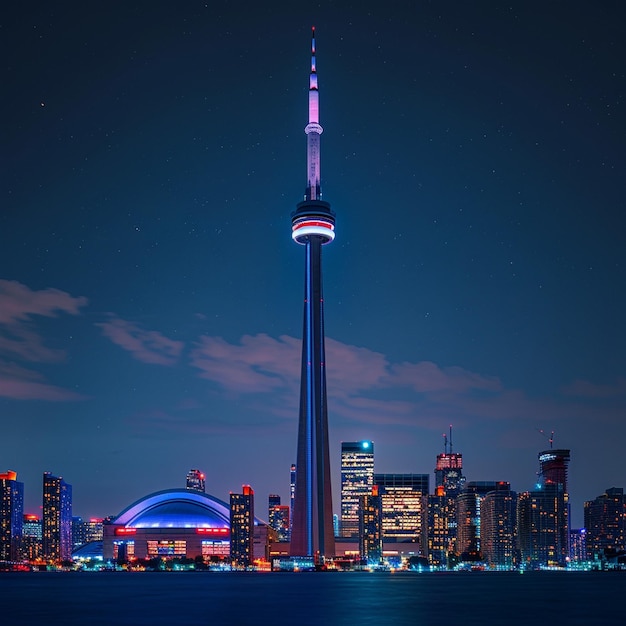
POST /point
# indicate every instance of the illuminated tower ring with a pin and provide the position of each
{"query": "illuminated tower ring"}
(313, 217)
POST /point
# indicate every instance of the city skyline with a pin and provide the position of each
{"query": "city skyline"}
(149, 293)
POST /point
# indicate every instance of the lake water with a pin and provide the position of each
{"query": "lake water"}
(350, 598)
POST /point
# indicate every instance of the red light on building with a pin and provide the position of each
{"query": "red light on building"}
(213, 532)
(247, 490)
(125, 531)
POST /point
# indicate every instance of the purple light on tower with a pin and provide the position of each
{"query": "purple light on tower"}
(313, 225)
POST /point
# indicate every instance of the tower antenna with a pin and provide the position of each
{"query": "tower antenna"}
(450, 438)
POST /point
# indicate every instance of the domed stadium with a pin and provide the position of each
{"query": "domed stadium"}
(174, 523)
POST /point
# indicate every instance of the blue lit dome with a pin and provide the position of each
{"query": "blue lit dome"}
(176, 508)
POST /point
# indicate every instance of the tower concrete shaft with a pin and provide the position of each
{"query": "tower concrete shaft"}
(313, 225)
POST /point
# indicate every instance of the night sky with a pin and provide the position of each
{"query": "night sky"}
(150, 292)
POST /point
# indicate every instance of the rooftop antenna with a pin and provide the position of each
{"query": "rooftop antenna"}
(550, 438)
(445, 443)
(450, 438)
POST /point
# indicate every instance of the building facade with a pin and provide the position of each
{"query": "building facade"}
(404, 499)
(357, 479)
(242, 527)
(468, 514)
(57, 519)
(313, 225)
(498, 527)
(371, 526)
(278, 517)
(605, 524)
(11, 516)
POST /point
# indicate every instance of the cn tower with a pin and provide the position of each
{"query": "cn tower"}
(313, 225)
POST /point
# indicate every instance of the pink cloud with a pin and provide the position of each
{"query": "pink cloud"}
(148, 346)
(20, 384)
(18, 302)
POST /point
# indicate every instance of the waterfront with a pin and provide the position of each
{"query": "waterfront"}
(196, 598)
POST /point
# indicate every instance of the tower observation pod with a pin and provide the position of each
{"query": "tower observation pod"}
(313, 225)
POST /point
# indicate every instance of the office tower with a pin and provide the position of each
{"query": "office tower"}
(313, 225)
(195, 480)
(543, 527)
(31, 537)
(78, 532)
(605, 523)
(242, 527)
(278, 516)
(498, 524)
(57, 519)
(11, 516)
(468, 504)
(357, 479)
(371, 526)
(404, 499)
(449, 477)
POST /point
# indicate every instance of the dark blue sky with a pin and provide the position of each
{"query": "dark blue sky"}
(150, 293)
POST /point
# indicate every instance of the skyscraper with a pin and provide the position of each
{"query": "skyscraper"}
(57, 519)
(553, 467)
(242, 527)
(195, 480)
(313, 225)
(11, 516)
(404, 500)
(357, 479)
(278, 517)
(371, 526)
(468, 505)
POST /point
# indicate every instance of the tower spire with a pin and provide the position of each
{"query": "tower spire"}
(313, 131)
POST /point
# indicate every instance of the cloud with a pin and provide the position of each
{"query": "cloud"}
(148, 346)
(18, 302)
(585, 389)
(21, 341)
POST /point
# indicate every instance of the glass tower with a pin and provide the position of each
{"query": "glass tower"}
(357, 479)
(57, 519)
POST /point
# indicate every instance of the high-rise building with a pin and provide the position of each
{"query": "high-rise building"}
(31, 537)
(196, 480)
(578, 545)
(11, 516)
(313, 225)
(404, 500)
(242, 527)
(605, 523)
(468, 504)
(449, 477)
(357, 479)
(371, 526)
(278, 517)
(57, 519)
(553, 467)
(543, 527)
(498, 524)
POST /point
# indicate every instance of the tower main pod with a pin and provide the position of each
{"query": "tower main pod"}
(313, 225)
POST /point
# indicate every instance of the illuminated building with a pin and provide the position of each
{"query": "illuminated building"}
(57, 519)
(357, 479)
(468, 505)
(86, 531)
(543, 527)
(292, 494)
(605, 523)
(278, 517)
(31, 537)
(313, 225)
(553, 467)
(242, 527)
(442, 517)
(175, 523)
(578, 545)
(371, 526)
(11, 516)
(498, 524)
(441, 528)
(196, 480)
(404, 500)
